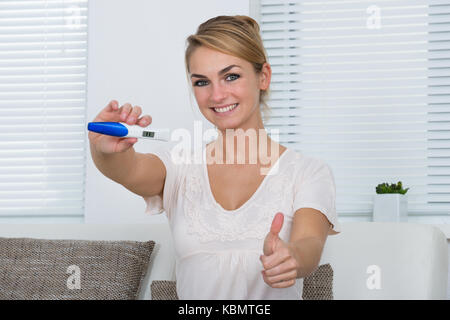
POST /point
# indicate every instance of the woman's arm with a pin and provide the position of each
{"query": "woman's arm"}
(308, 235)
(142, 174)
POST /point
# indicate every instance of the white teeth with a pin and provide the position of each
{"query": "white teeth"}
(226, 108)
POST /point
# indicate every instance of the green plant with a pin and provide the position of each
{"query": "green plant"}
(393, 188)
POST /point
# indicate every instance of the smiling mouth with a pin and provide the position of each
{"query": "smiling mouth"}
(226, 109)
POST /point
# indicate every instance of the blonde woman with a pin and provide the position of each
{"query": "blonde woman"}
(241, 230)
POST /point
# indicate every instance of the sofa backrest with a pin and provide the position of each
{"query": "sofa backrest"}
(374, 260)
(370, 260)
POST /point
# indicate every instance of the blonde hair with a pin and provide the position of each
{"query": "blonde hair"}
(234, 35)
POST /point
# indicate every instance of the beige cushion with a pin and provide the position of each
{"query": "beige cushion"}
(319, 284)
(164, 290)
(38, 269)
(316, 286)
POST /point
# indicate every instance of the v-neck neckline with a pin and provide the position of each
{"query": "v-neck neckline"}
(246, 203)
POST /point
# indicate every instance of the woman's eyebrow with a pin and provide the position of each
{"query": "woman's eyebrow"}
(220, 72)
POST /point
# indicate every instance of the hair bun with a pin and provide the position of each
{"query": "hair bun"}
(249, 21)
(218, 21)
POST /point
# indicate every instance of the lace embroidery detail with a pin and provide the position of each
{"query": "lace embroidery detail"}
(251, 222)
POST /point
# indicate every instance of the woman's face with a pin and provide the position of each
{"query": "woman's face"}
(227, 88)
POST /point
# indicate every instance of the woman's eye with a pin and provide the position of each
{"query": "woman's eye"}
(233, 77)
(199, 83)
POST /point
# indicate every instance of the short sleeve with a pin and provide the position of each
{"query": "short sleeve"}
(315, 188)
(155, 204)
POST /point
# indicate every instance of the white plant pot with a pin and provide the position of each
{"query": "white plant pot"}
(390, 207)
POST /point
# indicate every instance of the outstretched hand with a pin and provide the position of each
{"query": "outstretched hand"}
(279, 262)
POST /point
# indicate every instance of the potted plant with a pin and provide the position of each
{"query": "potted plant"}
(390, 203)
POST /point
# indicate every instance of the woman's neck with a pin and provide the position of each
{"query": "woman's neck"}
(238, 146)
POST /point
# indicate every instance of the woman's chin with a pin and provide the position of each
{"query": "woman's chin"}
(231, 125)
(223, 124)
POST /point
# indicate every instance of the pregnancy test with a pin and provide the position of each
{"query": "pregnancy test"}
(118, 129)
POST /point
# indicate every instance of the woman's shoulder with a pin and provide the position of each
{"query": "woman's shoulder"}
(301, 158)
(306, 163)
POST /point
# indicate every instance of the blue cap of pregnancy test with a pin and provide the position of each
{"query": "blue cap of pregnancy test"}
(110, 128)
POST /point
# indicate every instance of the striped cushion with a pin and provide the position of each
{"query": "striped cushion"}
(38, 269)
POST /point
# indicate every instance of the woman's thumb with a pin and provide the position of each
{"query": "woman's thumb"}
(277, 224)
(126, 144)
(272, 236)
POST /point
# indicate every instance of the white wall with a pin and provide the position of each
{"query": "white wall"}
(136, 55)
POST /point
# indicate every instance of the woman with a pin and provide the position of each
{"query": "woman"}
(238, 233)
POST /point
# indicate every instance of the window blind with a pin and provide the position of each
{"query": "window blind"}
(365, 85)
(43, 60)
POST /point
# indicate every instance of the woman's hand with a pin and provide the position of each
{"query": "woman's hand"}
(112, 113)
(279, 260)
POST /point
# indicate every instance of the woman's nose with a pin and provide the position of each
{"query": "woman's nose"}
(218, 93)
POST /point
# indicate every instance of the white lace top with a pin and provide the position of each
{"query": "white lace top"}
(218, 250)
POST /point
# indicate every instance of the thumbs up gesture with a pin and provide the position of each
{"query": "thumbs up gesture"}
(279, 262)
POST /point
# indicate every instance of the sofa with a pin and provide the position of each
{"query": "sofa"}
(369, 260)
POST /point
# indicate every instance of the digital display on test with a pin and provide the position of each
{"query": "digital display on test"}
(150, 134)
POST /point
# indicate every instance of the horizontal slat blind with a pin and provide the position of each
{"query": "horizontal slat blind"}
(365, 85)
(43, 61)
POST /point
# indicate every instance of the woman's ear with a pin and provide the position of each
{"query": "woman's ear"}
(265, 76)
